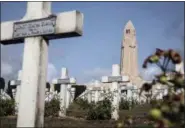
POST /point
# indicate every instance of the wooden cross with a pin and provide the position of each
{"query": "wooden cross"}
(35, 29)
(64, 82)
(115, 79)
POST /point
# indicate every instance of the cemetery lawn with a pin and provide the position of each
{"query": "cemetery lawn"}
(76, 118)
(68, 122)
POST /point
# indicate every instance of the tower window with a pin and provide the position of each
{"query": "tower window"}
(128, 31)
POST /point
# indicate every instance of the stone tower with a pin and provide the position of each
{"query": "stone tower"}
(129, 62)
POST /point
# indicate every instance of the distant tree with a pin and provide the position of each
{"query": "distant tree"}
(9, 90)
(48, 86)
(2, 83)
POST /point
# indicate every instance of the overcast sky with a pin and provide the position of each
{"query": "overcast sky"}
(158, 25)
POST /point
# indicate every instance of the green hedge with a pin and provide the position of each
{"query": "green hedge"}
(52, 107)
(128, 104)
(100, 111)
(7, 107)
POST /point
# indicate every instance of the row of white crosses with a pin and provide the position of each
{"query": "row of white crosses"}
(65, 90)
(115, 79)
(36, 28)
(93, 93)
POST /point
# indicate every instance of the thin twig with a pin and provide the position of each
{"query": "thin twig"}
(160, 66)
(166, 65)
(164, 61)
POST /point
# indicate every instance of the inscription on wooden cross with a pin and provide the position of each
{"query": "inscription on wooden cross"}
(35, 29)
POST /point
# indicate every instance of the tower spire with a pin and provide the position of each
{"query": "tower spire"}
(129, 25)
(129, 64)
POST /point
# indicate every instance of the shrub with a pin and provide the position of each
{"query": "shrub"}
(52, 107)
(134, 103)
(7, 107)
(124, 104)
(83, 103)
(170, 111)
(100, 111)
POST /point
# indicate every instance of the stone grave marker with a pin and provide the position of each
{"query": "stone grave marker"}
(72, 94)
(63, 83)
(89, 95)
(115, 79)
(17, 89)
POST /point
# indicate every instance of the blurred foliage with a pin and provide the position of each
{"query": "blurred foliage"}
(126, 104)
(100, 111)
(170, 111)
(52, 107)
(83, 103)
(7, 107)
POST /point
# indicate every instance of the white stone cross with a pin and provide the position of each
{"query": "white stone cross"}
(35, 29)
(68, 95)
(17, 84)
(97, 89)
(89, 95)
(73, 94)
(64, 82)
(129, 89)
(115, 79)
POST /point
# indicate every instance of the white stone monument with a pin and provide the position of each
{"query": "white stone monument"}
(64, 82)
(35, 29)
(114, 79)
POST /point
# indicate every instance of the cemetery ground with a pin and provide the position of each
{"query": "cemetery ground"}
(81, 114)
(167, 112)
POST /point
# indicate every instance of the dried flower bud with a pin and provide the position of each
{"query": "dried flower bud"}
(175, 57)
(159, 52)
(144, 65)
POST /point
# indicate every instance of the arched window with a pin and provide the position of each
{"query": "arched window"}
(128, 31)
